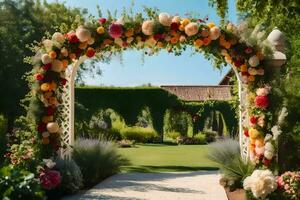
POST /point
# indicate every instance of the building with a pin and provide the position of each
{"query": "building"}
(220, 92)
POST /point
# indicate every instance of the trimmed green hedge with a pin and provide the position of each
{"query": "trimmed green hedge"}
(128, 102)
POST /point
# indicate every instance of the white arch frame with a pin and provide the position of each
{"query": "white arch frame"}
(67, 110)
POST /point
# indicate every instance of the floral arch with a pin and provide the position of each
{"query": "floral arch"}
(58, 57)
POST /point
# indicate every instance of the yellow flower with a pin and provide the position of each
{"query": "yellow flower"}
(253, 133)
(198, 43)
(129, 32)
(211, 24)
(181, 27)
(100, 30)
(244, 68)
(185, 22)
(45, 87)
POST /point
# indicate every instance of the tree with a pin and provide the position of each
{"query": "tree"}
(21, 23)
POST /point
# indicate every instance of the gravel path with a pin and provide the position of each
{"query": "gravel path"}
(200, 185)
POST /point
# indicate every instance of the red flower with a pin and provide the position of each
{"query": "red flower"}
(115, 30)
(238, 63)
(261, 102)
(90, 52)
(174, 26)
(78, 52)
(246, 132)
(50, 179)
(266, 162)
(39, 77)
(253, 120)
(47, 66)
(125, 44)
(157, 36)
(245, 73)
(102, 20)
(42, 127)
(50, 111)
(63, 81)
(72, 37)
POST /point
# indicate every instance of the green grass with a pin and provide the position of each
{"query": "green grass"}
(167, 158)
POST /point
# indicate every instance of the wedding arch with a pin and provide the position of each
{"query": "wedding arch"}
(254, 61)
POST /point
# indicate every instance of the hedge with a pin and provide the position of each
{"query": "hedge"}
(128, 102)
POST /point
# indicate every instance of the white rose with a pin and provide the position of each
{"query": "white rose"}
(147, 27)
(252, 71)
(165, 19)
(253, 61)
(58, 37)
(176, 19)
(268, 155)
(46, 59)
(191, 29)
(83, 34)
(48, 44)
(262, 92)
(215, 33)
(91, 41)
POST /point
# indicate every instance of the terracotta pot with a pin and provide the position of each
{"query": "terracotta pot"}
(238, 194)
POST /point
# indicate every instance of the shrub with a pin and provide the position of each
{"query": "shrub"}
(210, 136)
(72, 180)
(125, 143)
(139, 134)
(173, 135)
(97, 160)
(190, 140)
(201, 137)
(19, 184)
(234, 170)
(3, 137)
(178, 121)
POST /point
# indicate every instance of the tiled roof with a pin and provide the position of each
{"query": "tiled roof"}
(200, 93)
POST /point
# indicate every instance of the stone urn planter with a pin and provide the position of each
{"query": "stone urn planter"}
(238, 194)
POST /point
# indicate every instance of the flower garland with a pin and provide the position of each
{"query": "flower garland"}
(163, 31)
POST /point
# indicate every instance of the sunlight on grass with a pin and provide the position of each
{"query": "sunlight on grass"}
(171, 158)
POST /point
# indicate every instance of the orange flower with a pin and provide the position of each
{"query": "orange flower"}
(100, 30)
(228, 59)
(107, 42)
(159, 44)
(45, 87)
(52, 54)
(181, 27)
(90, 52)
(198, 43)
(53, 86)
(227, 45)
(129, 32)
(174, 40)
(185, 22)
(65, 63)
(251, 78)
(206, 41)
(83, 45)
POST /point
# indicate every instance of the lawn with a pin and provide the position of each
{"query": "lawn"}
(171, 158)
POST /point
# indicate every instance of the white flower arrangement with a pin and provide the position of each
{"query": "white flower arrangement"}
(261, 183)
(276, 131)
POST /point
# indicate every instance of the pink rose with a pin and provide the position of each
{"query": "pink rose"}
(115, 30)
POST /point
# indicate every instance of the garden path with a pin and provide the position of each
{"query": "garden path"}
(199, 185)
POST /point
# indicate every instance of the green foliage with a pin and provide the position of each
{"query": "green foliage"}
(17, 183)
(201, 137)
(97, 160)
(227, 155)
(18, 27)
(177, 121)
(72, 180)
(3, 138)
(139, 134)
(172, 135)
(144, 119)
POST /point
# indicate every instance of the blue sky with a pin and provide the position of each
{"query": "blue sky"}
(164, 68)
